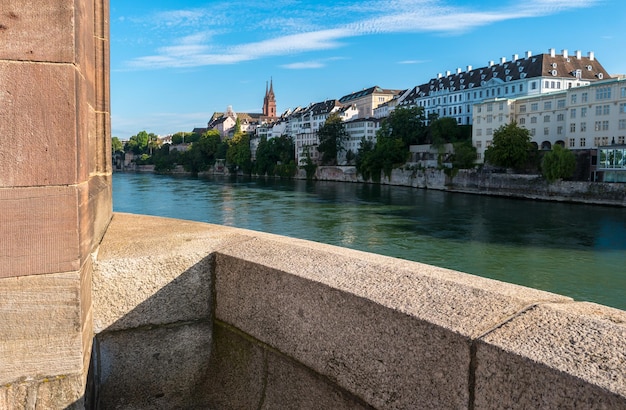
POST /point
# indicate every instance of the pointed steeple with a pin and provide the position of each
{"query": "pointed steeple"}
(269, 101)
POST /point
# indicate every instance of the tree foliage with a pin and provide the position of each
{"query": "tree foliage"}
(275, 156)
(116, 145)
(510, 147)
(464, 155)
(331, 136)
(558, 163)
(443, 131)
(238, 155)
(389, 152)
(407, 124)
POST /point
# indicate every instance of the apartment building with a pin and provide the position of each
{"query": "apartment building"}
(357, 129)
(589, 117)
(368, 99)
(455, 94)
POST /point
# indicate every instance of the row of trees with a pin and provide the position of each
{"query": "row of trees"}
(511, 148)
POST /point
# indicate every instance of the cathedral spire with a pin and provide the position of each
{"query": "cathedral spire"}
(269, 101)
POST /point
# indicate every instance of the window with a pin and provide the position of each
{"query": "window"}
(572, 113)
(534, 106)
(522, 108)
(501, 106)
(606, 109)
(572, 142)
(513, 88)
(489, 119)
(583, 112)
(622, 92)
(479, 133)
(583, 142)
(533, 120)
(489, 107)
(500, 117)
(572, 127)
(598, 110)
(603, 93)
(546, 84)
(559, 130)
(597, 126)
(479, 144)
(621, 124)
(620, 140)
(533, 85)
(560, 117)
(583, 127)
(596, 141)
(546, 131)
(477, 120)
(489, 131)
(533, 132)
(573, 98)
(583, 97)
(521, 88)
(522, 121)
(547, 105)
(546, 118)
(560, 104)
(605, 125)
(622, 108)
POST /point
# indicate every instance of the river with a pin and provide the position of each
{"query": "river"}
(570, 249)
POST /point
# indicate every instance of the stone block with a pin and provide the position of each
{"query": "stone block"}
(554, 356)
(39, 231)
(156, 367)
(41, 334)
(37, 30)
(395, 333)
(38, 123)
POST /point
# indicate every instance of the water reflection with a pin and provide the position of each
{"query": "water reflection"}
(576, 250)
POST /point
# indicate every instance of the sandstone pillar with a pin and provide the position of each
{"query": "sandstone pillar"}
(55, 193)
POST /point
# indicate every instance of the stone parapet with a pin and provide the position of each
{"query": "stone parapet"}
(261, 321)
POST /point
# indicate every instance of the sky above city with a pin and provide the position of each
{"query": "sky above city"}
(175, 63)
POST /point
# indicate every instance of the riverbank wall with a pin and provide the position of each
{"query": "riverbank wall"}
(483, 183)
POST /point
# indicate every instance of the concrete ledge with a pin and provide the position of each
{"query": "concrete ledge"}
(297, 320)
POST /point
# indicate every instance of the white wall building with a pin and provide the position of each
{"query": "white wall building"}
(455, 94)
(585, 117)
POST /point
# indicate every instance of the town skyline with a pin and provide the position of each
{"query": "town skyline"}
(171, 70)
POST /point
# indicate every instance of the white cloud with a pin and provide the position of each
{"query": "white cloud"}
(304, 65)
(399, 16)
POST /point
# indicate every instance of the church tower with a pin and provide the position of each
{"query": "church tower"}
(269, 102)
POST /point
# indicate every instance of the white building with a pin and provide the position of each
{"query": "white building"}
(455, 94)
(585, 117)
(357, 129)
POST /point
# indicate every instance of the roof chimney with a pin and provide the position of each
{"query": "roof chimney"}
(564, 52)
(592, 56)
(515, 57)
(438, 75)
(458, 70)
(578, 54)
(469, 68)
(552, 52)
(529, 54)
(490, 63)
(502, 60)
(448, 73)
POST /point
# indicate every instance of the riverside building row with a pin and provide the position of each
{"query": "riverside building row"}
(569, 99)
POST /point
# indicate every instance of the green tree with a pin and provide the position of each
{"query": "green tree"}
(558, 163)
(510, 147)
(388, 153)
(116, 145)
(238, 154)
(138, 143)
(331, 136)
(443, 131)
(309, 166)
(407, 124)
(464, 155)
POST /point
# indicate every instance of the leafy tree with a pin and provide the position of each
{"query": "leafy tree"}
(350, 156)
(407, 124)
(388, 153)
(464, 155)
(510, 147)
(238, 154)
(116, 145)
(184, 137)
(274, 155)
(331, 135)
(443, 131)
(309, 166)
(558, 163)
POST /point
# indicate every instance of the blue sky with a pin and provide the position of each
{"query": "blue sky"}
(175, 63)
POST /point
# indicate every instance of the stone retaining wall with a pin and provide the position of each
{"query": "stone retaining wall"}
(201, 316)
(510, 185)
